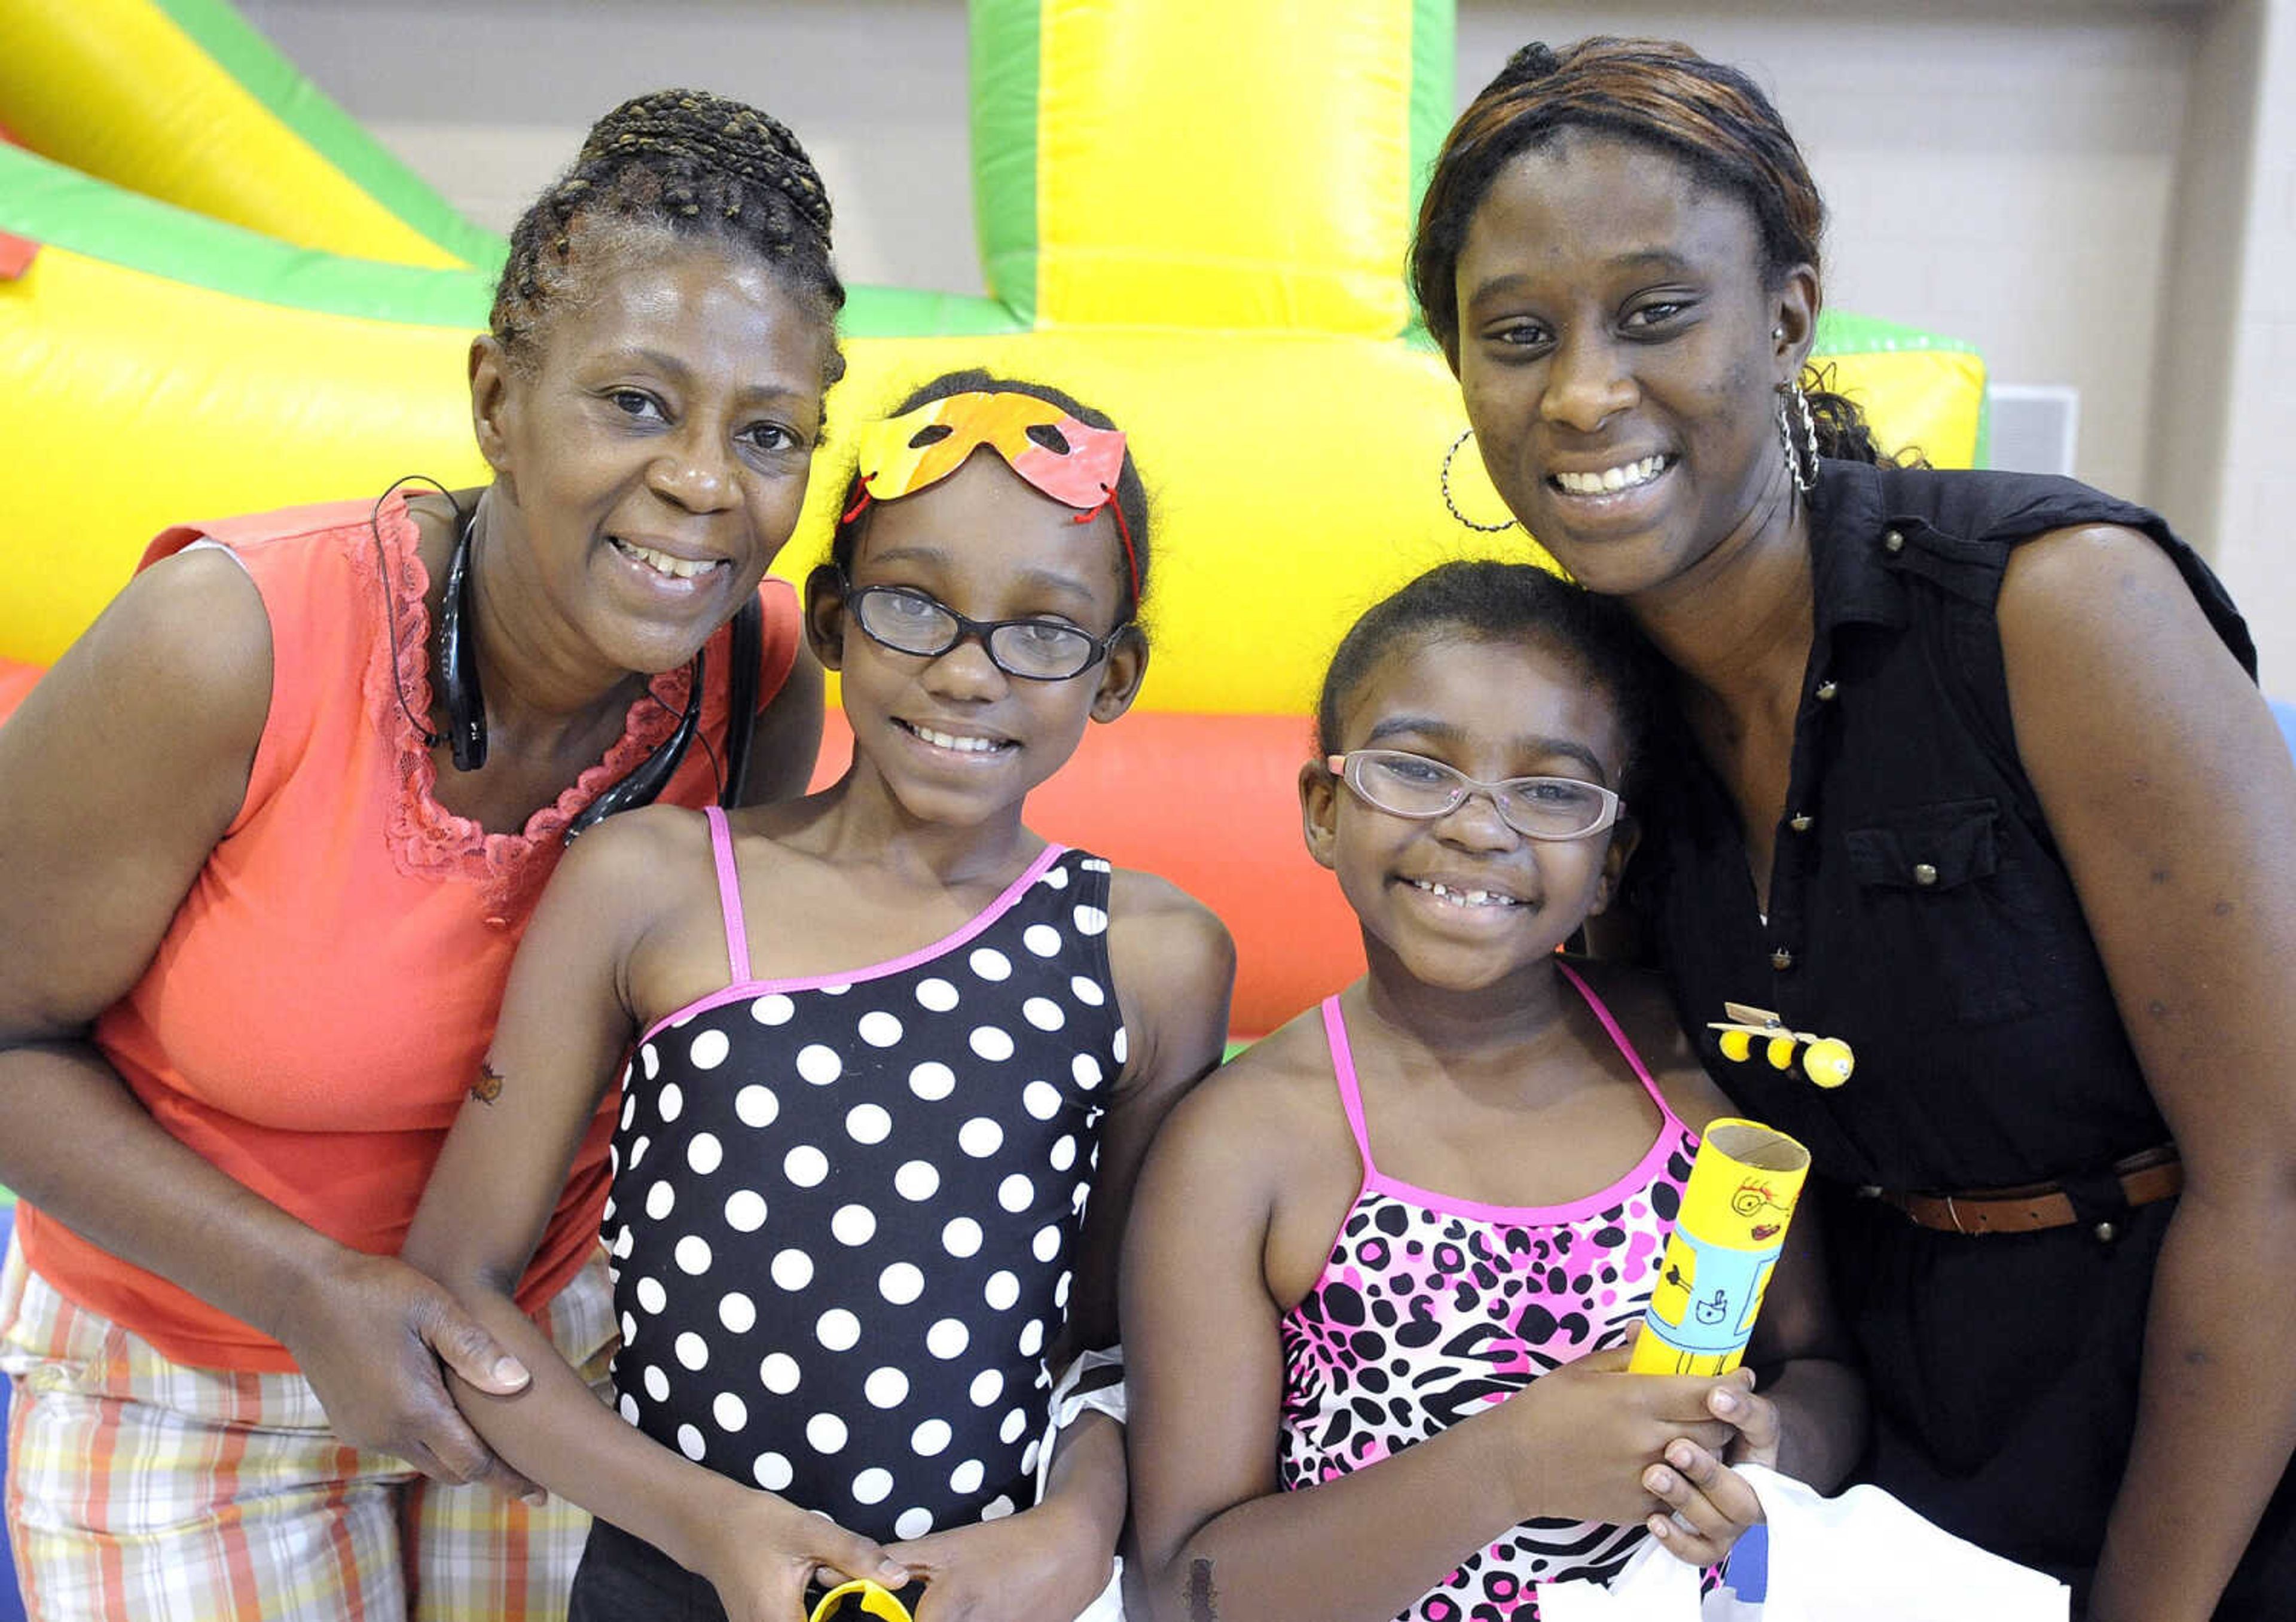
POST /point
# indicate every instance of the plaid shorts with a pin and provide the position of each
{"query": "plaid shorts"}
(145, 1489)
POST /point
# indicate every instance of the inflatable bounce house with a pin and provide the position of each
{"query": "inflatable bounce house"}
(219, 295)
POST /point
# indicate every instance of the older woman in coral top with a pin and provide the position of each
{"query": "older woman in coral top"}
(269, 836)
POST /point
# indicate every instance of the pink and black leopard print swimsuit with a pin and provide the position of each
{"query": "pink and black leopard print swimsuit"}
(1430, 1309)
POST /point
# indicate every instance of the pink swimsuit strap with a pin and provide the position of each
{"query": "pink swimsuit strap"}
(1610, 1023)
(729, 895)
(1343, 1064)
(741, 983)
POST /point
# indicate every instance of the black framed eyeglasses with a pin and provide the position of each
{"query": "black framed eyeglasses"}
(911, 622)
(1407, 785)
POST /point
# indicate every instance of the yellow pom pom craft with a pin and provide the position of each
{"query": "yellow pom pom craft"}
(1824, 1061)
(1828, 1061)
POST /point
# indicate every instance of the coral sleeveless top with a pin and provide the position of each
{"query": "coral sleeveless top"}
(845, 1208)
(323, 998)
(1430, 1309)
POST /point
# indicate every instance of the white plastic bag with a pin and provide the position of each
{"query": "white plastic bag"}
(1861, 1555)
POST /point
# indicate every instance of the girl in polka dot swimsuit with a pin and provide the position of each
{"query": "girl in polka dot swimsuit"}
(894, 1062)
(1383, 1269)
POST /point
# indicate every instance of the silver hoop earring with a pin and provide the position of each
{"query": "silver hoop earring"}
(1801, 458)
(1485, 529)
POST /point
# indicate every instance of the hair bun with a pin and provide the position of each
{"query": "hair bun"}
(694, 164)
(1527, 66)
(712, 132)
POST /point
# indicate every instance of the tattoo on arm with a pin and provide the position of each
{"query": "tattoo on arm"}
(1203, 1599)
(488, 1087)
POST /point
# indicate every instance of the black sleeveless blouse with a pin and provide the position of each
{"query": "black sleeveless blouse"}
(1920, 909)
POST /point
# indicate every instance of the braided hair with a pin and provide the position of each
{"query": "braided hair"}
(694, 164)
(1708, 117)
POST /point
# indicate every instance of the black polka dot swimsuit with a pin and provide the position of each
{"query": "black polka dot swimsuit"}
(845, 1208)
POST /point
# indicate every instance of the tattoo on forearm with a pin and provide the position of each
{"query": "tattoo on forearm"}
(488, 1087)
(1203, 1599)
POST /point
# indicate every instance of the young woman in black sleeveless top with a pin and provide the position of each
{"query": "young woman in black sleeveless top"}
(1976, 778)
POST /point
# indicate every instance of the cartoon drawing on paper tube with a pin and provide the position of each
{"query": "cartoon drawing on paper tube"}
(1724, 1245)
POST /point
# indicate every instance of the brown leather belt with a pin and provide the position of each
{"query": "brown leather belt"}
(2157, 1174)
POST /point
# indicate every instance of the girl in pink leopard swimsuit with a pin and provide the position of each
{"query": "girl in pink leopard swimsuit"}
(1383, 1270)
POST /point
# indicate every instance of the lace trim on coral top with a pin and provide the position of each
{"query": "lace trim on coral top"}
(426, 839)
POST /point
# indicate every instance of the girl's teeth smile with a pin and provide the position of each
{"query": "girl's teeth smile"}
(1464, 898)
(950, 740)
(1626, 475)
(663, 562)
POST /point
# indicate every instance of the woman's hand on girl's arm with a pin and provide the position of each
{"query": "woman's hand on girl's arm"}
(371, 1336)
(118, 775)
(2170, 795)
(1217, 1535)
(564, 1023)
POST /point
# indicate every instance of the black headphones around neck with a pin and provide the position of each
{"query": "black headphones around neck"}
(466, 705)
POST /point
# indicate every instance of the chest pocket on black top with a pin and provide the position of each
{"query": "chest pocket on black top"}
(1944, 912)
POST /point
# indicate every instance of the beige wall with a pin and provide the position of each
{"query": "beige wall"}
(2229, 342)
(488, 99)
(2000, 175)
(2068, 183)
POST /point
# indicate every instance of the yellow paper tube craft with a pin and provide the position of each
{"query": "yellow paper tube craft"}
(1742, 1186)
(851, 1601)
(1824, 1061)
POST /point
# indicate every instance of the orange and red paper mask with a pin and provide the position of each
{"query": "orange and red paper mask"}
(904, 454)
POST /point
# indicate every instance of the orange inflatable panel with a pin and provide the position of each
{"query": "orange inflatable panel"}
(15, 681)
(1210, 802)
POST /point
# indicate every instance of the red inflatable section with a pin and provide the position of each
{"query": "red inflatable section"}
(15, 681)
(1211, 803)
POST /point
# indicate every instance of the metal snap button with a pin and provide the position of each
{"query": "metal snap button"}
(2106, 1232)
(1782, 959)
(1827, 689)
(1894, 541)
(1799, 822)
(1924, 874)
